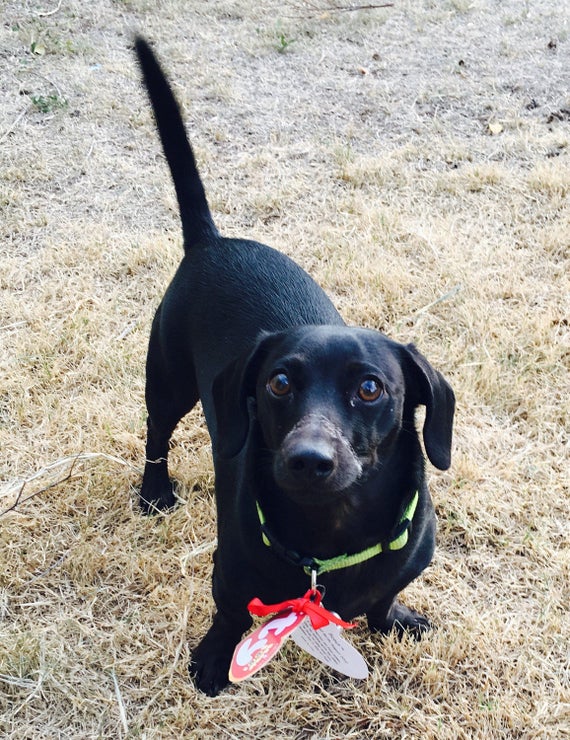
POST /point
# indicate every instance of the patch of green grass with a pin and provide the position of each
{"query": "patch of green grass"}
(277, 37)
(49, 103)
(284, 42)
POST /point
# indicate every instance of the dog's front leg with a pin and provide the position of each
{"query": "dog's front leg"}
(212, 657)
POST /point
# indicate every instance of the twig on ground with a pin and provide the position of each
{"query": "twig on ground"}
(14, 324)
(120, 702)
(13, 125)
(450, 293)
(20, 486)
(323, 10)
(351, 8)
(47, 13)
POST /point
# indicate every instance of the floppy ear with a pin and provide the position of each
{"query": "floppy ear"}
(432, 390)
(231, 390)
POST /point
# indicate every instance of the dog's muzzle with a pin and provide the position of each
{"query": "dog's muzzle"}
(315, 457)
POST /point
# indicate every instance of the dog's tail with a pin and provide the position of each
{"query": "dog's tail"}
(197, 223)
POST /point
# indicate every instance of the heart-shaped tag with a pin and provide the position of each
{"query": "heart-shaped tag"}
(257, 649)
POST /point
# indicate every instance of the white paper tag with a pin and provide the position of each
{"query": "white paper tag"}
(327, 645)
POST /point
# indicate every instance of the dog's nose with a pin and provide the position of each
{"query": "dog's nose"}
(311, 463)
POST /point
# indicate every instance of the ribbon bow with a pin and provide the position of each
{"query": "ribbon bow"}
(309, 604)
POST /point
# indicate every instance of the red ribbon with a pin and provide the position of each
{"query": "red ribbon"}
(309, 604)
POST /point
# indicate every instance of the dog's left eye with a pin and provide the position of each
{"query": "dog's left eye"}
(370, 390)
(279, 384)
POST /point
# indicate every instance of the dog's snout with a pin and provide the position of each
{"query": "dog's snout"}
(311, 463)
(315, 457)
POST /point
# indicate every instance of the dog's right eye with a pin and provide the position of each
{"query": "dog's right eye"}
(370, 389)
(279, 384)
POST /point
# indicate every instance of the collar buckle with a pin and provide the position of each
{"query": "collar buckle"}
(308, 564)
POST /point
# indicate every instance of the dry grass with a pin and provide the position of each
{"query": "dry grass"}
(415, 160)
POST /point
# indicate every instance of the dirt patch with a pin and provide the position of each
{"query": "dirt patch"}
(415, 160)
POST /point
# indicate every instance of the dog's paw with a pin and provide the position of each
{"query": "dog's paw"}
(210, 666)
(402, 620)
(156, 492)
(153, 502)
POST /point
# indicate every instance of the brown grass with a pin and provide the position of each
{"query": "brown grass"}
(415, 161)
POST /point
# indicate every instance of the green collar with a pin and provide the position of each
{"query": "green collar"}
(312, 565)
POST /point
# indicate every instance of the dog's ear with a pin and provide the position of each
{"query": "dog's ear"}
(231, 390)
(429, 388)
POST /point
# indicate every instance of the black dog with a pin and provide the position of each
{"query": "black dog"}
(312, 424)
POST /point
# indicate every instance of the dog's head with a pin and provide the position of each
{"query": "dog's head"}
(330, 403)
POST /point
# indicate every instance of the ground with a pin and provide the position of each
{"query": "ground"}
(415, 160)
